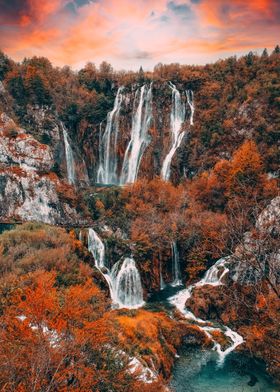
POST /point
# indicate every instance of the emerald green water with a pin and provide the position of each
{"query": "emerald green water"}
(197, 371)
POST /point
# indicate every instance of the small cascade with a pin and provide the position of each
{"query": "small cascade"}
(97, 248)
(123, 280)
(190, 100)
(175, 265)
(128, 292)
(70, 163)
(214, 277)
(108, 160)
(177, 118)
(142, 115)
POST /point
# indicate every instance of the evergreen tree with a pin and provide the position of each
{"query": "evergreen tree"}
(5, 65)
(141, 75)
(265, 53)
(276, 50)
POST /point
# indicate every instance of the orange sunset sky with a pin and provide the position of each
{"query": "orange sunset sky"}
(130, 33)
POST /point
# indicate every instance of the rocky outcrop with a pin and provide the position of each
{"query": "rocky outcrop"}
(29, 190)
(20, 149)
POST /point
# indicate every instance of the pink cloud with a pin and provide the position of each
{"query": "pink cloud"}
(129, 33)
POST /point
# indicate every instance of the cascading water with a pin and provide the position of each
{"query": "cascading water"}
(190, 100)
(108, 160)
(177, 118)
(123, 280)
(70, 163)
(139, 134)
(128, 292)
(97, 248)
(175, 265)
(213, 277)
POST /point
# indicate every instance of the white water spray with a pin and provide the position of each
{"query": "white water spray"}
(70, 163)
(108, 160)
(139, 134)
(214, 277)
(177, 118)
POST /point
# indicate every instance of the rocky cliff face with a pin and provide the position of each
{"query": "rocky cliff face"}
(29, 188)
(159, 138)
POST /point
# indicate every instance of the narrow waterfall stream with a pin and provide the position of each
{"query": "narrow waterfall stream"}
(190, 100)
(161, 280)
(123, 279)
(139, 140)
(177, 118)
(175, 265)
(108, 159)
(70, 163)
(213, 277)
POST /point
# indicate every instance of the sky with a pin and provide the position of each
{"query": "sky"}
(131, 33)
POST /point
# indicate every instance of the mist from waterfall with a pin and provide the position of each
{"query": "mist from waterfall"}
(141, 119)
(177, 118)
(108, 159)
(70, 163)
(124, 279)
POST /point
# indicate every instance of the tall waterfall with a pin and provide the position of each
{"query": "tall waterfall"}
(139, 140)
(107, 170)
(70, 163)
(190, 100)
(214, 277)
(123, 280)
(175, 265)
(177, 118)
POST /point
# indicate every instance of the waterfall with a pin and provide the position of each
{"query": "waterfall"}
(214, 277)
(177, 118)
(161, 280)
(189, 94)
(123, 280)
(70, 163)
(128, 292)
(108, 160)
(141, 119)
(175, 265)
(97, 248)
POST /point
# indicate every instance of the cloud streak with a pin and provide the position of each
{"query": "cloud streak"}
(133, 33)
